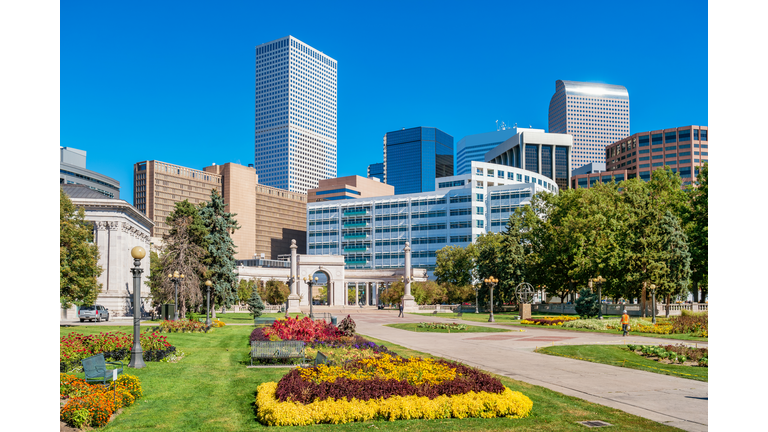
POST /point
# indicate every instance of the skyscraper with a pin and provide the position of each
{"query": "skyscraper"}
(295, 115)
(474, 147)
(414, 158)
(376, 170)
(595, 114)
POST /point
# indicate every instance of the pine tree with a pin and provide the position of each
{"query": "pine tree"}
(255, 305)
(587, 305)
(220, 260)
(78, 256)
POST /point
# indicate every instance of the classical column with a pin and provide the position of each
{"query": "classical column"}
(357, 293)
(293, 298)
(409, 304)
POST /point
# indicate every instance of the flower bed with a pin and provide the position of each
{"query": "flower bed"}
(386, 387)
(303, 329)
(115, 346)
(182, 326)
(93, 405)
(550, 321)
(680, 354)
(695, 325)
(448, 326)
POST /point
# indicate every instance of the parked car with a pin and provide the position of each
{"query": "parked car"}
(93, 313)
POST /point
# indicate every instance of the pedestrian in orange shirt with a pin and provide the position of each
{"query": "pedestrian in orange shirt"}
(625, 323)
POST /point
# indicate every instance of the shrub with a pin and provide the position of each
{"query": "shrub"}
(255, 304)
(182, 326)
(445, 326)
(115, 346)
(92, 405)
(587, 305)
(129, 383)
(559, 320)
(347, 326)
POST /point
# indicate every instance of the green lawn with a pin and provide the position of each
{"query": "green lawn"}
(212, 390)
(622, 357)
(685, 337)
(414, 327)
(247, 318)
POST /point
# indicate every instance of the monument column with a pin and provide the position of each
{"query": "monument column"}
(409, 304)
(293, 298)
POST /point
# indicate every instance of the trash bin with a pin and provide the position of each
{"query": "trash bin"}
(168, 311)
(333, 319)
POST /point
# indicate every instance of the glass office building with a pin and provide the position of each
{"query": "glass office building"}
(596, 115)
(295, 115)
(371, 232)
(377, 170)
(414, 158)
(474, 147)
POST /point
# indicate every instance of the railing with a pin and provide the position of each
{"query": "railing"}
(356, 213)
(617, 309)
(355, 236)
(356, 225)
(356, 249)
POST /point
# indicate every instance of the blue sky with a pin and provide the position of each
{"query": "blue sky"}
(174, 81)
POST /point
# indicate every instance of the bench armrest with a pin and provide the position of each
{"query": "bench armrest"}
(116, 363)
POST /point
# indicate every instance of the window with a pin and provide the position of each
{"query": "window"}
(520, 177)
(479, 171)
(684, 161)
(658, 156)
(527, 179)
(479, 210)
(500, 174)
(684, 135)
(644, 158)
(644, 151)
(670, 148)
(644, 166)
(643, 141)
(478, 185)
(478, 197)
(479, 223)
(656, 139)
(696, 134)
(684, 153)
(670, 137)
(658, 149)
(510, 176)
(704, 135)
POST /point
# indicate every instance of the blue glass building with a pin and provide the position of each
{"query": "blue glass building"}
(474, 147)
(376, 170)
(414, 158)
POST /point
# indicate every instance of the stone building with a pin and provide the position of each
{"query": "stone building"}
(118, 227)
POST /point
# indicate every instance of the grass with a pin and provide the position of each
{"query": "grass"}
(414, 327)
(212, 390)
(506, 317)
(247, 318)
(686, 336)
(622, 357)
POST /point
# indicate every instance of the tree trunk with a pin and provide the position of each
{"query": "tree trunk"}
(642, 300)
(695, 292)
(668, 296)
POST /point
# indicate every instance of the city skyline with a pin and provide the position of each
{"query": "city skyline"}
(132, 102)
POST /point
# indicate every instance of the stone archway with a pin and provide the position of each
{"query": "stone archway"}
(332, 266)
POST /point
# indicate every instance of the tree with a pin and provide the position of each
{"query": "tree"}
(513, 254)
(429, 292)
(220, 260)
(489, 262)
(184, 256)
(458, 293)
(455, 265)
(197, 232)
(696, 221)
(678, 259)
(155, 279)
(276, 292)
(587, 305)
(394, 293)
(255, 305)
(245, 289)
(78, 257)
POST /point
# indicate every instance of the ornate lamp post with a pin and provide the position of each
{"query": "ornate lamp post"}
(137, 355)
(208, 284)
(492, 281)
(599, 281)
(176, 278)
(653, 302)
(309, 281)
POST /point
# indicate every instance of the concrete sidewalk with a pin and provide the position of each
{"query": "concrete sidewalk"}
(673, 401)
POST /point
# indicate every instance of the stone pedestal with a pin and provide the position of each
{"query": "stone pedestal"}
(525, 311)
(409, 304)
(293, 304)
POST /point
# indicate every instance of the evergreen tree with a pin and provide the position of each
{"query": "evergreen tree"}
(78, 256)
(220, 260)
(255, 305)
(587, 305)
(678, 259)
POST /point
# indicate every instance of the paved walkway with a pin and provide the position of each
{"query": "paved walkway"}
(666, 399)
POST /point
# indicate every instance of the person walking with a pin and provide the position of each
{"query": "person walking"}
(401, 310)
(625, 322)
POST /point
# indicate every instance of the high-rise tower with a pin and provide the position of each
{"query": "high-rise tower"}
(414, 158)
(595, 114)
(295, 115)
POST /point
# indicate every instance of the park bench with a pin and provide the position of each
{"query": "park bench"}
(263, 321)
(266, 350)
(95, 369)
(322, 316)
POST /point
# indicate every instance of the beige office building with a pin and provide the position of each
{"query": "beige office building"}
(350, 187)
(269, 218)
(157, 186)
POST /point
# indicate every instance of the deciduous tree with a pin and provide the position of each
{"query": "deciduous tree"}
(78, 256)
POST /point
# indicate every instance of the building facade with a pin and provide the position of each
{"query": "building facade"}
(370, 232)
(350, 187)
(415, 157)
(474, 147)
(117, 227)
(72, 171)
(377, 170)
(295, 143)
(596, 115)
(684, 149)
(534, 150)
(158, 186)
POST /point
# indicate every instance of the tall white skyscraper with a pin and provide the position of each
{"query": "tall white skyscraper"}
(295, 115)
(595, 114)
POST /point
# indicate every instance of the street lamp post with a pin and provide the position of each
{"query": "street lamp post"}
(599, 280)
(309, 281)
(208, 284)
(137, 355)
(492, 281)
(653, 302)
(176, 278)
